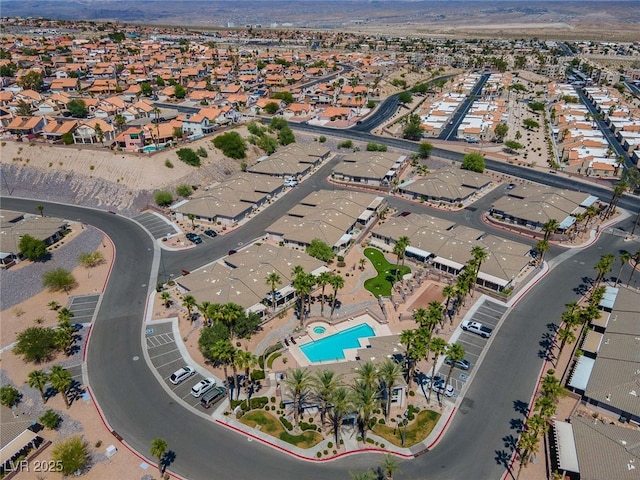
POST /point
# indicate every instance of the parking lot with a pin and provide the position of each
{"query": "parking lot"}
(157, 225)
(83, 308)
(488, 313)
(166, 357)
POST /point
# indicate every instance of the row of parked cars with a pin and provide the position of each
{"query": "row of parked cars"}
(197, 239)
(206, 389)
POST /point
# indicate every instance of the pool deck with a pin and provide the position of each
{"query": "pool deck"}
(331, 329)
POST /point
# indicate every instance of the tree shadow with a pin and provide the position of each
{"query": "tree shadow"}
(553, 327)
(75, 391)
(510, 442)
(50, 392)
(521, 407)
(504, 458)
(167, 459)
(517, 424)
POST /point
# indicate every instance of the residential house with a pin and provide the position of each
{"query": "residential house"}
(133, 139)
(27, 125)
(94, 130)
(56, 128)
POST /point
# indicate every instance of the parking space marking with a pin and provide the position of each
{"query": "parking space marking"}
(165, 353)
(169, 363)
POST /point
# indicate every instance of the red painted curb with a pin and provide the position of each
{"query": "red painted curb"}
(433, 444)
(311, 459)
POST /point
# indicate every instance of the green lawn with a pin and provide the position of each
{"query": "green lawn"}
(271, 425)
(417, 431)
(382, 283)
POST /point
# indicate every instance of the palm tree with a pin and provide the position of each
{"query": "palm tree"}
(365, 400)
(337, 282)
(434, 314)
(189, 302)
(340, 402)
(604, 266)
(229, 314)
(479, 255)
(166, 299)
(438, 346)
(205, 310)
(53, 305)
(362, 262)
(618, 189)
(625, 257)
(549, 228)
(192, 217)
(456, 353)
(367, 375)
(245, 360)
(38, 379)
(61, 380)
(417, 352)
(565, 335)
(449, 291)
(389, 466)
(273, 280)
(399, 249)
(158, 449)
(297, 384)
(222, 353)
(551, 386)
(323, 280)
(527, 446)
(636, 260)
(40, 209)
(390, 374)
(541, 247)
(324, 385)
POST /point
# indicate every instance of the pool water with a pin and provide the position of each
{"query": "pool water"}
(319, 330)
(333, 346)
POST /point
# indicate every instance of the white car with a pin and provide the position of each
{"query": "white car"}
(181, 375)
(203, 386)
(440, 388)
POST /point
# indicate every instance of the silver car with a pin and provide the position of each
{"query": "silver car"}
(181, 375)
(203, 386)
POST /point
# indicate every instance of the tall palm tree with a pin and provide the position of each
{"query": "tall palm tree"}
(479, 255)
(61, 380)
(245, 361)
(204, 309)
(420, 315)
(549, 228)
(230, 313)
(340, 402)
(449, 291)
(417, 352)
(189, 302)
(527, 446)
(399, 249)
(38, 379)
(337, 282)
(565, 335)
(158, 449)
(40, 209)
(625, 257)
(273, 280)
(456, 353)
(541, 247)
(367, 375)
(636, 260)
(297, 384)
(434, 314)
(222, 353)
(438, 347)
(551, 387)
(365, 401)
(604, 266)
(390, 374)
(323, 280)
(618, 189)
(324, 385)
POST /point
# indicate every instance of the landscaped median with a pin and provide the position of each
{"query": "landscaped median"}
(388, 273)
(274, 427)
(415, 431)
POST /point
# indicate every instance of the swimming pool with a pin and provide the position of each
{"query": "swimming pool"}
(333, 346)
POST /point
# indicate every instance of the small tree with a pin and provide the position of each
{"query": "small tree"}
(50, 419)
(73, 455)
(38, 379)
(271, 108)
(513, 146)
(77, 108)
(36, 344)
(189, 157)
(405, 97)
(231, 144)
(61, 380)
(163, 198)
(320, 250)
(184, 190)
(474, 162)
(31, 248)
(424, 149)
(9, 396)
(158, 449)
(413, 129)
(58, 279)
(501, 131)
(91, 259)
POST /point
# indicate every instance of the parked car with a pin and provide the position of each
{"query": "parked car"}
(181, 374)
(461, 364)
(232, 251)
(511, 186)
(442, 388)
(404, 214)
(477, 328)
(195, 238)
(210, 233)
(203, 386)
(212, 396)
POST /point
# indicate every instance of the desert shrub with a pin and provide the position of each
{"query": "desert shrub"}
(189, 157)
(287, 424)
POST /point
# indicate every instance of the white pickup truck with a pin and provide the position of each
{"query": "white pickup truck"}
(477, 328)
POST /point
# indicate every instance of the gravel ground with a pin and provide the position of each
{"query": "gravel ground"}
(19, 284)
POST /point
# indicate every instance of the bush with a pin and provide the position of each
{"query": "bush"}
(50, 419)
(168, 164)
(257, 375)
(473, 162)
(163, 198)
(231, 144)
(36, 344)
(304, 426)
(58, 279)
(73, 455)
(287, 424)
(9, 396)
(201, 152)
(184, 190)
(272, 399)
(189, 157)
(322, 139)
(31, 248)
(346, 144)
(330, 445)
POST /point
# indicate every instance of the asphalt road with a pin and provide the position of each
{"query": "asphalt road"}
(450, 131)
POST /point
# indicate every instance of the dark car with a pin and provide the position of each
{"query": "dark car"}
(461, 364)
(405, 214)
(193, 237)
(232, 251)
(210, 233)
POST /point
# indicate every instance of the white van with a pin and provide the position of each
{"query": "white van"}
(290, 182)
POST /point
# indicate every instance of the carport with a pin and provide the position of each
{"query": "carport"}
(581, 373)
(566, 454)
(26, 439)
